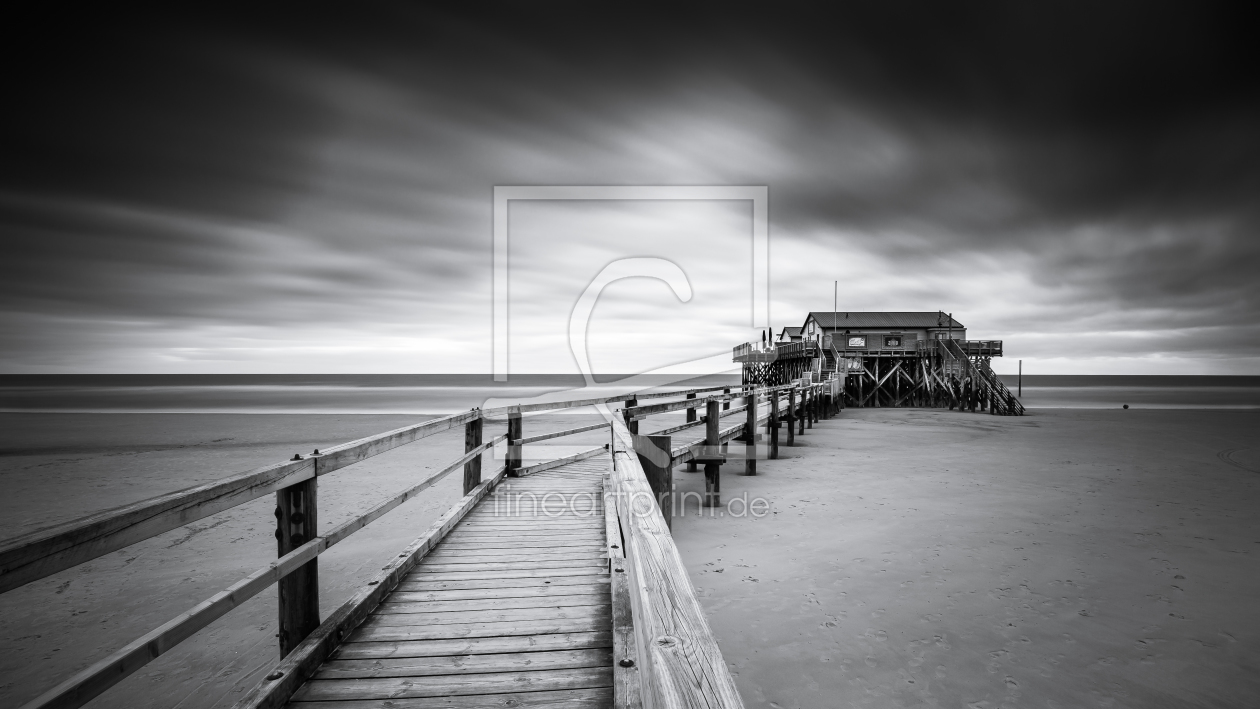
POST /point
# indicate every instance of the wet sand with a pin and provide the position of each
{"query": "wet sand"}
(935, 558)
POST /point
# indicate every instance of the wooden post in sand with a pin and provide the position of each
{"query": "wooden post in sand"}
(297, 524)
(514, 434)
(772, 426)
(691, 418)
(750, 434)
(654, 457)
(712, 466)
(632, 425)
(726, 401)
(790, 419)
(472, 439)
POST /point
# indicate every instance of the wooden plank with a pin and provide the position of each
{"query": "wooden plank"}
(589, 698)
(476, 557)
(538, 591)
(435, 584)
(506, 574)
(306, 658)
(356, 649)
(43, 552)
(425, 606)
(539, 467)
(465, 664)
(627, 677)
(550, 565)
(378, 629)
(471, 544)
(681, 664)
(567, 432)
(454, 685)
(593, 613)
(342, 455)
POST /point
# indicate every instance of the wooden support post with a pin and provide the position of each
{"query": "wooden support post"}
(791, 417)
(800, 414)
(514, 433)
(712, 475)
(750, 435)
(472, 439)
(654, 456)
(691, 418)
(632, 425)
(811, 412)
(772, 426)
(297, 522)
(726, 402)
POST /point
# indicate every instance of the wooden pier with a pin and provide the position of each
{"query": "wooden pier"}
(553, 584)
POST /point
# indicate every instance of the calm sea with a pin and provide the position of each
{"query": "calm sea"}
(445, 393)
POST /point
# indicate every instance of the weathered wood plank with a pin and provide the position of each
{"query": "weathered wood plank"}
(43, 552)
(375, 629)
(344, 454)
(425, 606)
(465, 664)
(538, 591)
(682, 665)
(537, 554)
(548, 465)
(516, 565)
(591, 613)
(432, 584)
(507, 574)
(590, 698)
(567, 432)
(454, 685)
(360, 649)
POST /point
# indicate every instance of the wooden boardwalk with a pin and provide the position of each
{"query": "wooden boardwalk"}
(512, 608)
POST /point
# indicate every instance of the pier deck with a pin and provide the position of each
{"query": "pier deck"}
(512, 608)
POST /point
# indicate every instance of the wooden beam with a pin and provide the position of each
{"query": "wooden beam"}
(558, 434)
(548, 465)
(681, 663)
(43, 552)
(297, 518)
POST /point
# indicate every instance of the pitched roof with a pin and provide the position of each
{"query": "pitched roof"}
(893, 320)
(791, 331)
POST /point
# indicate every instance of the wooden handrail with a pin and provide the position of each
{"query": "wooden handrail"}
(43, 552)
(680, 663)
(102, 675)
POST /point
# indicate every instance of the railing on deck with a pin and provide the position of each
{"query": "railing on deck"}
(680, 659)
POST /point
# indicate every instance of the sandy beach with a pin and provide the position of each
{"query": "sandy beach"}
(1069, 558)
(933, 558)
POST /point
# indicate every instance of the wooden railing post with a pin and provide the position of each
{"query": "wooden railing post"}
(811, 410)
(801, 414)
(691, 418)
(726, 402)
(514, 452)
(297, 523)
(632, 425)
(791, 416)
(472, 469)
(772, 425)
(712, 468)
(654, 456)
(750, 434)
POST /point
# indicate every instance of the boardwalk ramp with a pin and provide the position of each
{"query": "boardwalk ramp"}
(511, 609)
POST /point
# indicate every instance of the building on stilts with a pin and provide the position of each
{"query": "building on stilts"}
(887, 359)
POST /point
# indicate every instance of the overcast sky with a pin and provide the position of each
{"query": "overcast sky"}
(307, 192)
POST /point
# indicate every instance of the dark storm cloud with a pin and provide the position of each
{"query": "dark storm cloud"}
(281, 168)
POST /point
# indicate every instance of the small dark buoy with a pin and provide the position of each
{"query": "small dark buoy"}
(1126, 406)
